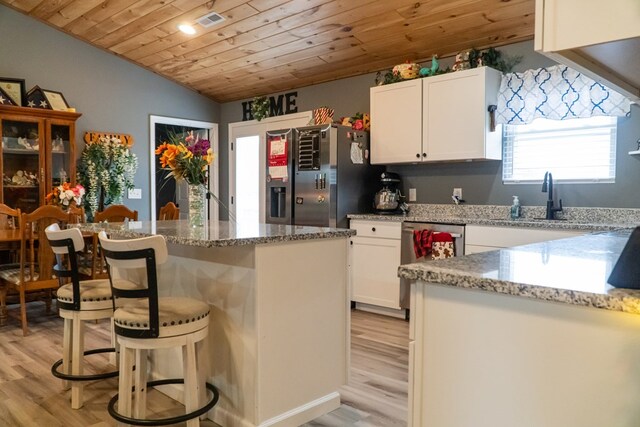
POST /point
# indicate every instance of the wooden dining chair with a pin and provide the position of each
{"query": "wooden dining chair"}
(113, 213)
(168, 212)
(9, 217)
(77, 214)
(34, 272)
(116, 213)
(9, 222)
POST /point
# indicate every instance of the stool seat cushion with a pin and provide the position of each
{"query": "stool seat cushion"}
(94, 294)
(177, 315)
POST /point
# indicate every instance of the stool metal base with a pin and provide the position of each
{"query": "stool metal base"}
(70, 377)
(165, 421)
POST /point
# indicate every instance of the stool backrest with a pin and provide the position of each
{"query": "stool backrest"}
(65, 244)
(135, 259)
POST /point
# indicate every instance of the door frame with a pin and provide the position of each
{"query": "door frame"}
(214, 171)
(260, 128)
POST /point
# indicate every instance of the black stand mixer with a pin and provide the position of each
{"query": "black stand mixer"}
(389, 200)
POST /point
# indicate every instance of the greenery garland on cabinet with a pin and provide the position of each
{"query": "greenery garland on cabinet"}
(464, 60)
(107, 168)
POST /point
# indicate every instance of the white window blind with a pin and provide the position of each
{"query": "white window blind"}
(578, 150)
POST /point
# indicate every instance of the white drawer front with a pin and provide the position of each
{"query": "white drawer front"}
(383, 229)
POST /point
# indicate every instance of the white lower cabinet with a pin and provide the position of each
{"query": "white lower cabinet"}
(483, 238)
(375, 257)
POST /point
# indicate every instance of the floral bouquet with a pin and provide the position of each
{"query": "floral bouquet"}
(186, 159)
(64, 194)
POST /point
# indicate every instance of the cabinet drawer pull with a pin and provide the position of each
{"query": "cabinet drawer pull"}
(373, 229)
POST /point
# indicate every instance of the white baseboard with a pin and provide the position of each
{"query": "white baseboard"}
(295, 417)
(385, 311)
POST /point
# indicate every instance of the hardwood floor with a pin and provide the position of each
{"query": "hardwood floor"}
(30, 396)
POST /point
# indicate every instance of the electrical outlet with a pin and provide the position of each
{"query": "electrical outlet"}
(135, 193)
(457, 192)
(412, 194)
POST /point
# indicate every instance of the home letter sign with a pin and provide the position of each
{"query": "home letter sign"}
(278, 106)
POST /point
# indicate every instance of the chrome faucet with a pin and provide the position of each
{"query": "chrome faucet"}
(547, 187)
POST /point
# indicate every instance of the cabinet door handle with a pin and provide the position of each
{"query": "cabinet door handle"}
(424, 154)
(418, 155)
(373, 229)
(351, 242)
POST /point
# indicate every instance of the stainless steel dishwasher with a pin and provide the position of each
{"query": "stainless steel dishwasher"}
(408, 256)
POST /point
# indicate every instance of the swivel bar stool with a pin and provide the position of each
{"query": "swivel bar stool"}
(78, 301)
(143, 322)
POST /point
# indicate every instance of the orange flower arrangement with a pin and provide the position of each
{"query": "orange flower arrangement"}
(186, 159)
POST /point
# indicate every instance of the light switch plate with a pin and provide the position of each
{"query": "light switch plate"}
(412, 195)
(457, 192)
(135, 193)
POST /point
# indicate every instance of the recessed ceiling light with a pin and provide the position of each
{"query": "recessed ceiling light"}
(187, 29)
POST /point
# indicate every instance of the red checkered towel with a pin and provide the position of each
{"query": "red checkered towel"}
(422, 240)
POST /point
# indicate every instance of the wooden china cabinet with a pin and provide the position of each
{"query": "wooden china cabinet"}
(38, 153)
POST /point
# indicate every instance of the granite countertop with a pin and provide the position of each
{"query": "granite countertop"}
(572, 271)
(499, 222)
(589, 219)
(217, 234)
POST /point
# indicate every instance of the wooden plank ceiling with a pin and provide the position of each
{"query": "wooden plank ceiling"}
(266, 46)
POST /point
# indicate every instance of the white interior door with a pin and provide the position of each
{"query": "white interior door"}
(247, 163)
(211, 130)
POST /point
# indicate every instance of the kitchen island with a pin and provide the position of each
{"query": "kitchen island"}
(531, 335)
(278, 339)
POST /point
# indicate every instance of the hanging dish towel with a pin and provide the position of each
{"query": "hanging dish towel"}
(442, 246)
(422, 242)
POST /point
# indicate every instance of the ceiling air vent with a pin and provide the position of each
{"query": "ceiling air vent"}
(210, 20)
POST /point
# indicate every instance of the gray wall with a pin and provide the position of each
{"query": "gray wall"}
(111, 93)
(481, 181)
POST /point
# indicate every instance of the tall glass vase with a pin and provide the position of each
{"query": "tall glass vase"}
(197, 205)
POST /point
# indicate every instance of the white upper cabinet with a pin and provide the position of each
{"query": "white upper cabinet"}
(440, 118)
(455, 117)
(599, 39)
(397, 110)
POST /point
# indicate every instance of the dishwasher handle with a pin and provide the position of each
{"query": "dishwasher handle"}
(410, 229)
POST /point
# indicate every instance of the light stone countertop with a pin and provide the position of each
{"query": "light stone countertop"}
(589, 219)
(572, 271)
(217, 234)
(498, 222)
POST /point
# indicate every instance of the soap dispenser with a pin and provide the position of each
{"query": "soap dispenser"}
(515, 208)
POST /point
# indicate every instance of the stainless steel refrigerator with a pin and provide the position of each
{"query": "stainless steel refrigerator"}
(316, 175)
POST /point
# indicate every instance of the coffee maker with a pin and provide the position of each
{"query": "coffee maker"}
(389, 200)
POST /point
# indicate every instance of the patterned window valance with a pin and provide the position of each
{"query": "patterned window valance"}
(557, 93)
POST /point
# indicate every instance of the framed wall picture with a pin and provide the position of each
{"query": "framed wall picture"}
(56, 100)
(5, 99)
(14, 88)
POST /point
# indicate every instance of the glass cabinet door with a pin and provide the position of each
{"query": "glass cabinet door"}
(61, 155)
(22, 168)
